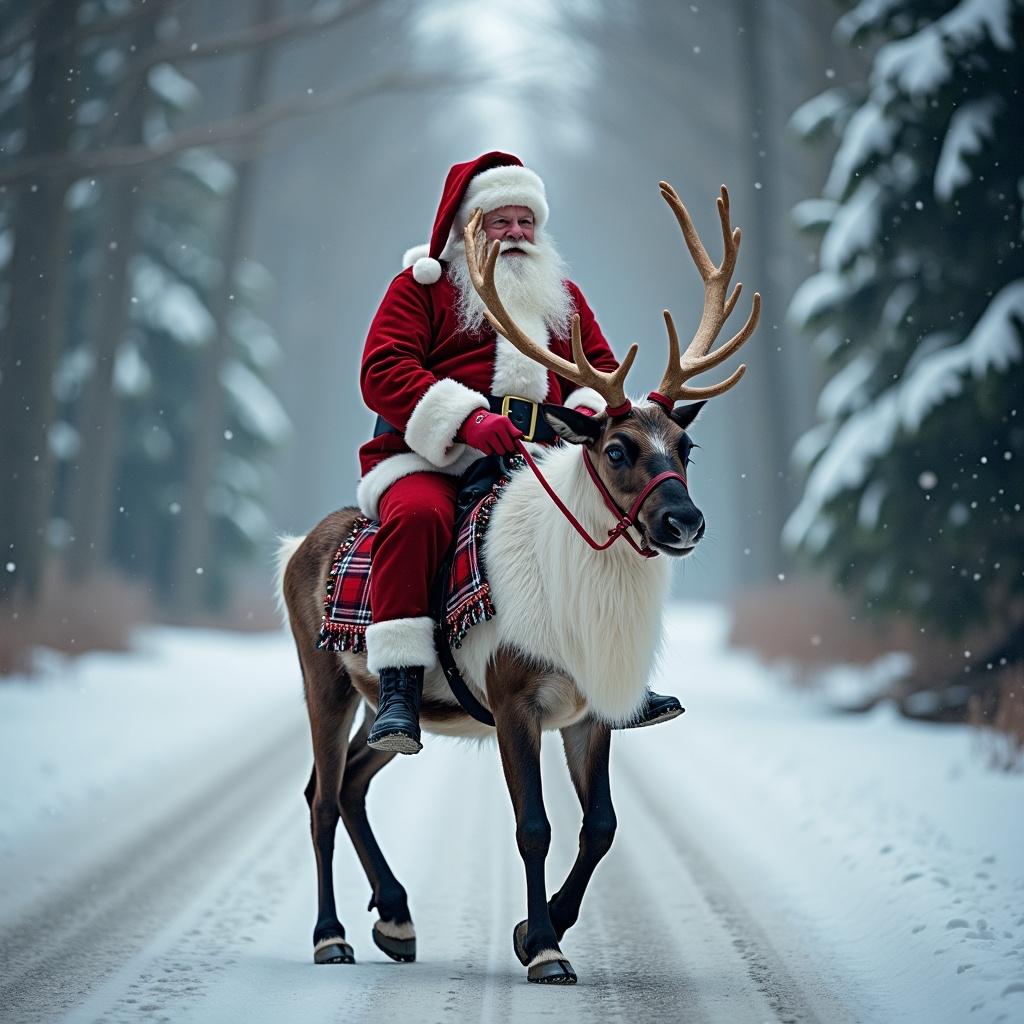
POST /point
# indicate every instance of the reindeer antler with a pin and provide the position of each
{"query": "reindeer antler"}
(697, 358)
(609, 385)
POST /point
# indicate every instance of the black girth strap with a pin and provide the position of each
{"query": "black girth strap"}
(463, 694)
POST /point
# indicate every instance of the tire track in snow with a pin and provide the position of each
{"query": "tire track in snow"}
(77, 937)
(662, 936)
(752, 946)
(219, 928)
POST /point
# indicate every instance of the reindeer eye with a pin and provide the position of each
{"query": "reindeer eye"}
(616, 456)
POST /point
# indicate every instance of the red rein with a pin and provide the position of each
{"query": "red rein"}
(625, 519)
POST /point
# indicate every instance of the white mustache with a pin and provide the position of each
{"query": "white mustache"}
(522, 245)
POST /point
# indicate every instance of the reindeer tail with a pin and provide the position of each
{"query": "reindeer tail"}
(287, 545)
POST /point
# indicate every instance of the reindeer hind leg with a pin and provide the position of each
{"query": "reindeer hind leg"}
(331, 701)
(393, 932)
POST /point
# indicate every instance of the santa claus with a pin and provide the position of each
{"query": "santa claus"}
(448, 390)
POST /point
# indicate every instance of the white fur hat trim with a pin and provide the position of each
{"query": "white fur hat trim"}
(504, 186)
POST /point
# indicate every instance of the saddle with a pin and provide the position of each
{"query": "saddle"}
(461, 593)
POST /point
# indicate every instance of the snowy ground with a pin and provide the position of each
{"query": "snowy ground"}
(774, 861)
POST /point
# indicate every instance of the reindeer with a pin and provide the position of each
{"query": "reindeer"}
(576, 632)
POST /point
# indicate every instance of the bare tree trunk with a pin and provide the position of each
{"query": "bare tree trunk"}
(92, 482)
(768, 386)
(197, 526)
(92, 478)
(32, 336)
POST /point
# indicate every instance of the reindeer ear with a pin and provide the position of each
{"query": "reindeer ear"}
(575, 427)
(684, 415)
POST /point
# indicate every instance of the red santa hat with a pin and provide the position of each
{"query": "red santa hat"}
(486, 183)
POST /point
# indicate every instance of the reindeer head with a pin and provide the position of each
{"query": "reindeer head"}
(629, 451)
(629, 446)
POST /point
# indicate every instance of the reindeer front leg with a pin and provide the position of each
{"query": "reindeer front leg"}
(587, 747)
(519, 730)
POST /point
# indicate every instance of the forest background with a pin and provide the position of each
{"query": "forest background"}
(202, 204)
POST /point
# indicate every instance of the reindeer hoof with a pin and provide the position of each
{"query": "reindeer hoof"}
(518, 938)
(333, 951)
(401, 949)
(549, 968)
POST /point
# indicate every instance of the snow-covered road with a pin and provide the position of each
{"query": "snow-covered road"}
(773, 861)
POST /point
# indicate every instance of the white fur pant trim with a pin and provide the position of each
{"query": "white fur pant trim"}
(546, 956)
(401, 643)
(396, 930)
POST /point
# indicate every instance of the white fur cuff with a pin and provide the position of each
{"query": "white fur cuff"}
(588, 397)
(436, 419)
(401, 643)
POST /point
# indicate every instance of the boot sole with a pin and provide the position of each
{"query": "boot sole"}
(397, 743)
(666, 716)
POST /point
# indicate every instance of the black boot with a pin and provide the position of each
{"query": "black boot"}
(657, 708)
(397, 725)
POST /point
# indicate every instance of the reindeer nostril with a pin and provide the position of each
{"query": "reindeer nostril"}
(700, 530)
(672, 526)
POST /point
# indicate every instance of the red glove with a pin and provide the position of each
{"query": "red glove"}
(586, 410)
(489, 433)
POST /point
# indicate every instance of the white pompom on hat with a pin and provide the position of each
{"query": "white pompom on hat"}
(424, 269)
(487, 183)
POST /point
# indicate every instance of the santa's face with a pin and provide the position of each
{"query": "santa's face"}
(530, 274)
(509, 224)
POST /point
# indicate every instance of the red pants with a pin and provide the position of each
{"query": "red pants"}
(417, 520)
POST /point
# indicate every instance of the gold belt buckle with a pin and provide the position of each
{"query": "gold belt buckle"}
(506, 401)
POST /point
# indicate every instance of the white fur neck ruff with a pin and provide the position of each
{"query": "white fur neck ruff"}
(489, 190)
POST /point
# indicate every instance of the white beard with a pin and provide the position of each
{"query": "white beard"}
(532, 288)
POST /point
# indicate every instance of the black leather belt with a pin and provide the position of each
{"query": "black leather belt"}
(526, 415)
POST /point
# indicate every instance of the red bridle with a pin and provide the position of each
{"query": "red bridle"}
(625, 519)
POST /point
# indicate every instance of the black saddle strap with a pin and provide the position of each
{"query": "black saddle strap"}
(463, 694)
(459, 686)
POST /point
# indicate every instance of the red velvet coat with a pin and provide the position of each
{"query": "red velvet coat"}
(425, 376)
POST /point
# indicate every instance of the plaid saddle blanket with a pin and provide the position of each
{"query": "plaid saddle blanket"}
(347, 610)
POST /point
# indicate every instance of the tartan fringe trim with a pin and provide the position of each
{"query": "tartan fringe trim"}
(477, 607)
(336, 636)
(467, 615)
(480, 608)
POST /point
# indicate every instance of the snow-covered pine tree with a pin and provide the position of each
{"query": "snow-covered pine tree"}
(913, 491)
(173, 276)
(15, 75)
(174, 273)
